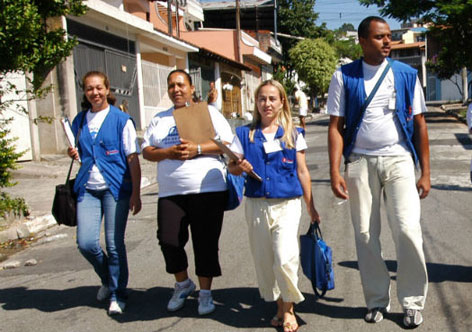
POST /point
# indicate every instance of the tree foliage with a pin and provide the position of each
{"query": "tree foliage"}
(8, 155)
(347, 27)
(28, 41)
(451, 26)
(315, 61)
(347, 49)
(297, 18)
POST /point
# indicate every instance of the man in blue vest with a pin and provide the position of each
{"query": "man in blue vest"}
(382, 137)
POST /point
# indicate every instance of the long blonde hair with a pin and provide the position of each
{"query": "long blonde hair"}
(284, 117)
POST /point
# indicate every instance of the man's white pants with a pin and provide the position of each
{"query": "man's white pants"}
(273, 238)
(368, 178)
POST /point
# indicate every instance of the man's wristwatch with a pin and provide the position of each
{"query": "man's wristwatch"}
(199, 150)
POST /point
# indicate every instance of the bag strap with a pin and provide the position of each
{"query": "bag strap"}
(315, 231)
(376, 87)
(318, 231)
(373, 92)
(76, 141)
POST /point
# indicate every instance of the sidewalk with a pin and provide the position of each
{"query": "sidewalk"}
(36, 183)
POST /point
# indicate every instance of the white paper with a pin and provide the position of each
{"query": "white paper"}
(69, 134)
(68, 131)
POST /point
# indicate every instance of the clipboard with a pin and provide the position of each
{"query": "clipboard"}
(68, 131)
(69, 134)
(231, 155)
(194, 123)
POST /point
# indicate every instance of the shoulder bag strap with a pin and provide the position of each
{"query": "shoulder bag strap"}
(76, 141)
(374, 91)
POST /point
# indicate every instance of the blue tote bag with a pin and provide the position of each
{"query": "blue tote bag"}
(235, 184)
(316, 258)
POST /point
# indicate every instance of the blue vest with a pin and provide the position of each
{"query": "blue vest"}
(355, 95)
(278, 170)
(106, 151)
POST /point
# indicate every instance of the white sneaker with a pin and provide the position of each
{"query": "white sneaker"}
(375, 315)
(412, 318)
(116, 307)
(177, 300)
(205, 305)
(103, 293)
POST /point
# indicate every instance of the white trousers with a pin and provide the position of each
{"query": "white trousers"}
(273, 238)
(368, 179)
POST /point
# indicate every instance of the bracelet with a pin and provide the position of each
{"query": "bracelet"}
(199, 150)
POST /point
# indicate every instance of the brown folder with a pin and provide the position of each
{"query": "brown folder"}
(231, 155)
(194, 123)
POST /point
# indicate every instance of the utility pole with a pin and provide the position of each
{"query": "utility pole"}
(465, 87)
(238, 33)
(169, 16)
(275, 23)
(177, 29)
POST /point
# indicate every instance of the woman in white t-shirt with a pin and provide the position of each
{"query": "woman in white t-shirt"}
(192, 192)
(107, 186)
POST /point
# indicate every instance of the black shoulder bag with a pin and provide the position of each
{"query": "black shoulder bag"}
(64, 206)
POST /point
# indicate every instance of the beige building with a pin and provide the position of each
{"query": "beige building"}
(136, 45)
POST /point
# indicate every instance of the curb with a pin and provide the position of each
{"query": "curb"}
(456, 115)
(30, 226)
(23, 229)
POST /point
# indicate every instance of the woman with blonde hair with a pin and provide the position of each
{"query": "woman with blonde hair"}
(274, 148)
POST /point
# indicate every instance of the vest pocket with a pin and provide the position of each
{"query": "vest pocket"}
(111, 151)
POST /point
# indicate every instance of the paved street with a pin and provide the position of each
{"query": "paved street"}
(59, 293)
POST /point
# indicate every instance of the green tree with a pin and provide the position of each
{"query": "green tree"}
(347, 27)
(315, 61)
(30, 42)
(451, 26)
(347, 49)
(296, 18)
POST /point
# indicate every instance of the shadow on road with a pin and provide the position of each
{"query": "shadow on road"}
(451, 187)
(436, 272)
(236, 307)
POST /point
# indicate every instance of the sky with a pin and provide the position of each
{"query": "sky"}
(337, 12)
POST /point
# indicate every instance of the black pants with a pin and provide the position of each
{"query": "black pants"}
(204, 214)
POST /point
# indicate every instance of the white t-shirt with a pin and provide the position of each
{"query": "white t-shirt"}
(237, 147)
(302, 102)
(380, 132)
(95, 120)
(205, 173)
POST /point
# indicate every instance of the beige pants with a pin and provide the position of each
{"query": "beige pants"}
(369, 180)
(273, 238)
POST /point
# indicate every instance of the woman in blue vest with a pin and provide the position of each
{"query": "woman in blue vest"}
(275, 150)
(107, 185)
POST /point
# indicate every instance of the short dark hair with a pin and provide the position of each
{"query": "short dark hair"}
(181, 71)
(363, 29)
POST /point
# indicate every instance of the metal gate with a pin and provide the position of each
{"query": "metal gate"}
(121, 71)
(155, 97)
(196, 75)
